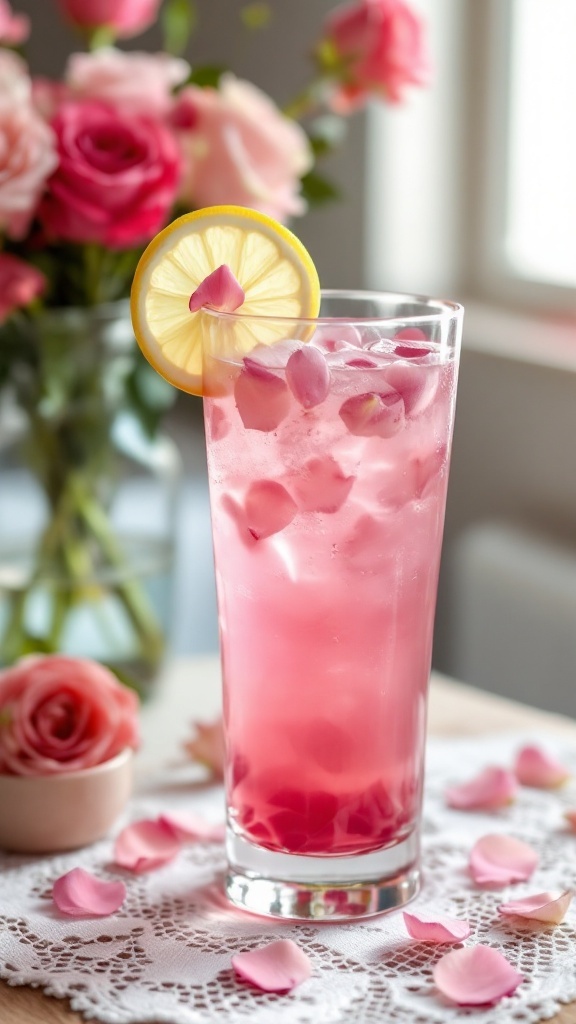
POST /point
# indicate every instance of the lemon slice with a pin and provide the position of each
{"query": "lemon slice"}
(275, 270)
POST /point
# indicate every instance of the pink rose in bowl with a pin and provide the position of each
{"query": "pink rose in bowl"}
(116, 180)
(379, 45)
(60, 714)
(135, 82)
(20, 284)
(240, 149)
(123, 17)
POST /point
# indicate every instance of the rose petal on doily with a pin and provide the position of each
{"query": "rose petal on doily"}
(145, 845)
(80, 894)
(535, 767)
(220, 290)
(187, 826)
(475, 976)
(491, 789)
(277, 967)
(548, 907)
(207, 745)
(435, 929)
(497, 860)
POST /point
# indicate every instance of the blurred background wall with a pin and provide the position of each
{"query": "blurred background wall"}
(424, 193)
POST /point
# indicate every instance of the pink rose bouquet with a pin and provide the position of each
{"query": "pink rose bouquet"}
(92, 166)
(62, 714)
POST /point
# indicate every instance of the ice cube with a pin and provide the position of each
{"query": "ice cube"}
(321, 485)
(262, 399)
(371, 544)
(308, 376)
(416, 384)
(374, 414)
(269, 508)
(277, 355)
(335, 337)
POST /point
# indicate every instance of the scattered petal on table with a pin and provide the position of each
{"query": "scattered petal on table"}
(278, 967)
(145, 845)
(220, 290)
(548, 907)
(534, 767)
(189, 826)
(79, 894)
(475, 976)
(570, 816)
(497, 860)
(491, 789)
(435, 929)
(207, 746)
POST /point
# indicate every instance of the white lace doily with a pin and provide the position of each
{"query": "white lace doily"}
(166, 955)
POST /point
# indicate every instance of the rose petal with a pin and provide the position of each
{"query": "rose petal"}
(571, 819)
(416, 384)
(534, 767)
(186, 825)
(475, 975)
(220, 290)
(492, 788)
(308, 376)
(262, 399)
(373, 415)
(498, 860)
(145, 845)
(269, 508)
(78, 893)
(322, 485)
(438, 929)
(277, 967)
(207, 745)
(548, 907)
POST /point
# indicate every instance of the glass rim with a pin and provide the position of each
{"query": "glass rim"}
(440, 310)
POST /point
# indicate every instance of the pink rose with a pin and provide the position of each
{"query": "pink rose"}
(14, 28)
(381, 48)
(27, 149)
(20, 284)
(61, 714)
(116, 180)
(124, 17)
(240, 149)
(135, 82)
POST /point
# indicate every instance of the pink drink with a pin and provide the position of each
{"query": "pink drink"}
(327, 524)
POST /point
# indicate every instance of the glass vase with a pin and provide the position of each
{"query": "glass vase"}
(87, 497)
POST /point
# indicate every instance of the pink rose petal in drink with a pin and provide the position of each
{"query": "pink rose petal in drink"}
(322, 485)
(269, 508)
(373, 414)
(491, 789)
(262, 399)
(547, 907)
(80, 894)
(145, 845)
(435, 929)
(335, 338)
(220, 290)
(278, 967)
(361, 362)
(187, 826)
(217, 423)
(534, 767)
(497, 860)
(408, 351)
(475, 976)
(308, 376)
(416, 384)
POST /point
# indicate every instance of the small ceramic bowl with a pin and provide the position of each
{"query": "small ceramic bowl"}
(51, 813)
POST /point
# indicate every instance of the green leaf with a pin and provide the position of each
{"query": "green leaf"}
(208, 75)
(326, 133)
(317, 190)
(179, 18)
(256, 15)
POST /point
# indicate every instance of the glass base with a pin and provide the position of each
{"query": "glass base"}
(298, 888)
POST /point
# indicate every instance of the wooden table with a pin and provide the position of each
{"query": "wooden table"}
(190, 689)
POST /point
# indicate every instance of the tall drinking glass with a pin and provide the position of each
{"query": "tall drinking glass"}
(328, 450)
